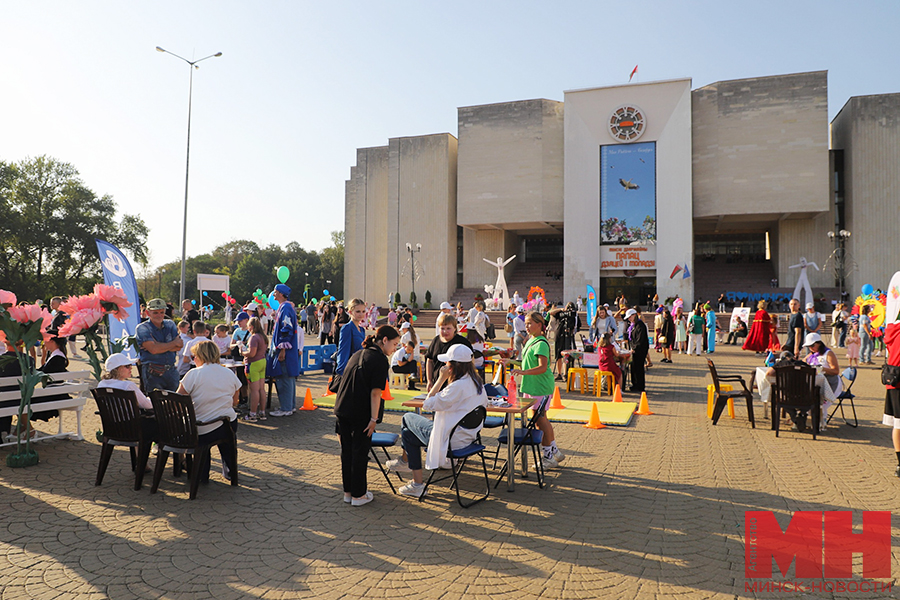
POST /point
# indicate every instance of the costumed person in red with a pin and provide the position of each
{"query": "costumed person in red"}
(760, 331)
(774, 342)
(892, 340)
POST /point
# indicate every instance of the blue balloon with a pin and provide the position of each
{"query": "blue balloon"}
(193, 302)
(272, 301)
(211, 307)
(325, 293)
(867, 289)
(205, 293)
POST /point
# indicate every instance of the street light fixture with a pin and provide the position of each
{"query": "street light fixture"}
(192, 64)
(841, 259)
(412, 264)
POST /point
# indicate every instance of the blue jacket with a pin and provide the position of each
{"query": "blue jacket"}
(284, 336)
(350, 341)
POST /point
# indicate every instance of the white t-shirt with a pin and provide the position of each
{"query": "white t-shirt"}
(212, 389)
(407, 338)
(186, 358)
(129, 386)
(223, 343)
(400, 354)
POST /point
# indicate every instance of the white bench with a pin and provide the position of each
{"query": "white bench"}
(76, 384)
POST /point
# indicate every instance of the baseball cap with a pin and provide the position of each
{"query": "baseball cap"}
(456, 353)
(812, 338)
(241, 316)
(810, 305)
(520, 310)
(117, 360)
(156, 304)
(629, 313)
(283, 290)
(405, 325)
(446, 306)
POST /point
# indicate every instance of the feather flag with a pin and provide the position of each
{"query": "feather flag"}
(675, 271)
(686, 272)
(633, 71)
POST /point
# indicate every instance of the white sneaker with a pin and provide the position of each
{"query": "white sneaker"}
(398, 465)
(412, 489)
(549, 463)
(364, 500)
(558, 456)
(279, 413)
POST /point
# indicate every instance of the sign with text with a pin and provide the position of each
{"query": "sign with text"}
(627, 257)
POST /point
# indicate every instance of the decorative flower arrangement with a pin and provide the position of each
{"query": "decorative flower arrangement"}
(612, 230)
(22, 327)
(85, 314)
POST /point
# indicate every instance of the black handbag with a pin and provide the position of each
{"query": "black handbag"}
(890, 375)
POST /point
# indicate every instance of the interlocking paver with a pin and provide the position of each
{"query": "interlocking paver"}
(654, 510)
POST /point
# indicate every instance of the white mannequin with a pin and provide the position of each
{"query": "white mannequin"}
(803, 280)
(500, 291)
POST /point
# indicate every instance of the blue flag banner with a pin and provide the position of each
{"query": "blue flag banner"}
(117, 273)
(591, 305)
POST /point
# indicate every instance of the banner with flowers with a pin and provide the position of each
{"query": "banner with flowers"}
(117, 273)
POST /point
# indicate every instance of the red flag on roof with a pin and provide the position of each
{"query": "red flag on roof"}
(633, 71)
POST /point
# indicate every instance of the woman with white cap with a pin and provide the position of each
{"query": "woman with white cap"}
(824, 359)
(117, 376)
(892, 340)
(464, 392)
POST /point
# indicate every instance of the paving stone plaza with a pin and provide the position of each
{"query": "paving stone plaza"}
(652, 510)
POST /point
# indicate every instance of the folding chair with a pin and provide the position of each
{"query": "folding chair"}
(491, 421)
(850, 375)
(384, 441)
(458, 457)
(531, 437)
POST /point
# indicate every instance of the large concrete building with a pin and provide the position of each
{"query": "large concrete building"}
(636, 189)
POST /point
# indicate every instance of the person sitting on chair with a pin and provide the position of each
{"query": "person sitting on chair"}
(739, 332)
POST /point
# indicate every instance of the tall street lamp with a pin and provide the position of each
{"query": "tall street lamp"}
(841, 259)
(192, 64)
(413, 273)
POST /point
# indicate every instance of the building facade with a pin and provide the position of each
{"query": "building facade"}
(637, 189)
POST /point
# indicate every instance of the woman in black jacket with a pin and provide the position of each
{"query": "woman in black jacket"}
(640, 346)
(358, 408)
(667, 334)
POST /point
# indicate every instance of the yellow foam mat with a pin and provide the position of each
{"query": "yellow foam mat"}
(575, 411)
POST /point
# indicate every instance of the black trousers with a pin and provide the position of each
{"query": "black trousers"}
(226, 450)
(355, 446)
(637, 370)
(409, 368)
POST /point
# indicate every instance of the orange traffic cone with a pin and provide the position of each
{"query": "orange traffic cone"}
(556, 401)
(328, 392)
(307, 401)
(594, 421)
(386, 393)
(644, 408)
(617, 396)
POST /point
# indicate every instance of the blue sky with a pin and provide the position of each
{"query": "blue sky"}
(277, 119)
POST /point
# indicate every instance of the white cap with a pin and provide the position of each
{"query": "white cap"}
(446, 306)
(629, 313)
(812, 338)
(117, 360)
(810, 305)
(405, 325)
(456, 353)
(520, 309)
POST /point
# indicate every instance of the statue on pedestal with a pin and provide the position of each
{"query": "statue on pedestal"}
(500, 291)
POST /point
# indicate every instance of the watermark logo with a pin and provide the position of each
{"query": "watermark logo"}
(819, 544)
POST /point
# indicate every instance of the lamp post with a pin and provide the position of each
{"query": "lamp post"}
(306, 286)
(412, 265)
(840, 238)
(192, 64)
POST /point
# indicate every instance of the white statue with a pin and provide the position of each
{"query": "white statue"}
(500, 291)
(803, 280)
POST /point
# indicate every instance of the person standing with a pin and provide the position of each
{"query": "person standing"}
(812, 320)
(284, 360)
(667, 334)
(865, 333)
(758, 340)
(795, 329)
(188, 312)
(680, 330)
(254, 355)
(710, 329)
(695, 331)
(537, 382)
(157, 341)
(639, 341)
(358, 408)
(352, 334)
(891, 416)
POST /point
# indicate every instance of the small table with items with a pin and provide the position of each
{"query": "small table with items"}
(764, 384)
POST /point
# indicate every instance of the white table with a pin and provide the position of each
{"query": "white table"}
(764, 385)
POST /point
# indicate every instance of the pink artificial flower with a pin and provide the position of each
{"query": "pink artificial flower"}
(121, 314)
(109, 293)
(2, 338)
(77, 303)
(7, 298)
(29, 313)
(81, 320)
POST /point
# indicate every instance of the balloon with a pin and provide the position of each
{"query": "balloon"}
(333, 298)
(224, 295)
(325, 293)
(228, 292)
(193, 302)
(283, 274)
(314, 301)
(205, 293)
(415, 318)
(272, 301)
(233, 301)
(867, 289)
(211, 307)
(258, 291)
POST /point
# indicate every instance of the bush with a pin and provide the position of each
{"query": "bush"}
(427, 304)
(412, 300)
(397, 299)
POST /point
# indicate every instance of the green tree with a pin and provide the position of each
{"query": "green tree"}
(51, 219)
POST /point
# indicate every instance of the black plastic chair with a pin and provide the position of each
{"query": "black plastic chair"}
(722, 398)
(458, 458)
(529, 436)
(121, 419)
(177, 425)
(850, 375)
(384, 441)
(795, 388)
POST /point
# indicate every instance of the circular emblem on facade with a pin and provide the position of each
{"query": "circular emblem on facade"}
(627, 123)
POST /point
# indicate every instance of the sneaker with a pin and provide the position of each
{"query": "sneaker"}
(249, 418)
(549, 463)
(398, 465)
(347, 499)
(897, 472)
(280, 413)
(412, 489)
(558, 456)
(364, 500)
(261, 415)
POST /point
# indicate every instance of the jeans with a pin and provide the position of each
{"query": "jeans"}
(865, 350)
(415, 431)
(843, 337)
(286, 386)
(355, 446)
(167, 381)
